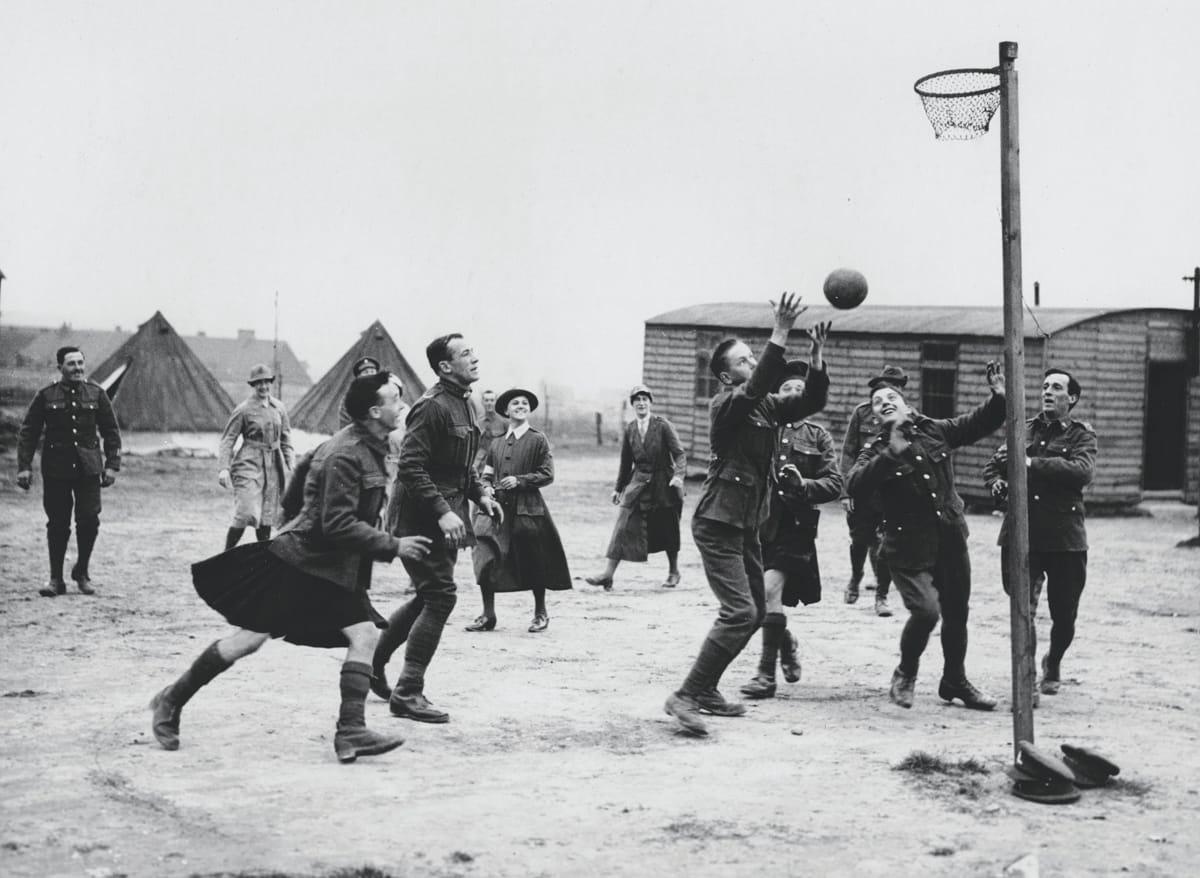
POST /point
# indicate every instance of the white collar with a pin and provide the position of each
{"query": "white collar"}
(520, 431)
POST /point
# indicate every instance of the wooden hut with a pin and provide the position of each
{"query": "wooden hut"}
(1136, 367)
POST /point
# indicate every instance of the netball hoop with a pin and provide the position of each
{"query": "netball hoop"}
(960, 104)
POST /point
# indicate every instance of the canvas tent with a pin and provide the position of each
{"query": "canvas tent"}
(317, 411)
(158, 384)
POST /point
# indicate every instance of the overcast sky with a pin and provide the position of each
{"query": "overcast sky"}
(544, 176)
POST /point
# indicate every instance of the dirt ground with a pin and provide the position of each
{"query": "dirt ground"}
(558, 759)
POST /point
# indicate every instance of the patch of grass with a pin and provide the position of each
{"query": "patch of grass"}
(961, 778)
(922, 763)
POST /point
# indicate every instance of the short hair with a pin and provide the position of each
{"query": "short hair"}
(61, 353)
(716, 362)
(492, 392)
(1073, 388)
(439, 350)
(364, 393)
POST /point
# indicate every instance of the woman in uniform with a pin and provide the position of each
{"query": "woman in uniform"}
(258, 468)
(521, 552)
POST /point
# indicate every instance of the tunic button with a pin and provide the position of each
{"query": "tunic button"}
(918, 458)
(1072, 508)
(1036, 497)
(1043, 442)
(783, 457)
(781, 493)
(926, 475)
(737, 478)
(933, 493)
(899, 473)
(785, 442)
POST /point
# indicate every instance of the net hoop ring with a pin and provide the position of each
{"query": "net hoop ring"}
(978, 71)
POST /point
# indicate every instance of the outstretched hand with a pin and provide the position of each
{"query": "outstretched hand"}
(787, 310)
(817, 335)
(995, 376)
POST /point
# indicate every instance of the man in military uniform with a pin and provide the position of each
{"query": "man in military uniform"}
(1060, 458)
(924, 531)
(362, 367)
(492, 425)
(863, 517)
(436, 479)
(75, 414)
(743, 418)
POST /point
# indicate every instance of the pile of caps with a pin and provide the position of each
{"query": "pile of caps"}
(1043, 777)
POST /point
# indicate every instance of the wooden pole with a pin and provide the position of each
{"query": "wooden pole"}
(1016, 566)
(599, 429)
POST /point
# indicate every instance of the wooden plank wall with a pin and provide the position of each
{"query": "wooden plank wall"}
(1107, 354)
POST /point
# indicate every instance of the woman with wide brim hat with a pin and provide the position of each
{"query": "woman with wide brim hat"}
(255, 458)
(524, 551)
(649, 492)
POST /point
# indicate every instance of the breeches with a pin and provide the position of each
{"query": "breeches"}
(732, 560)
(60, 495)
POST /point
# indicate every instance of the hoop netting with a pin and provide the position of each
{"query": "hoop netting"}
(960, 103)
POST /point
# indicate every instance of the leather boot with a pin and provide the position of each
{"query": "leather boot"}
(760, 686)
(902, 688)
(971, 697)
(168, 703)
(789, 657)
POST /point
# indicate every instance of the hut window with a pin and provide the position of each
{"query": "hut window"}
(939, 372)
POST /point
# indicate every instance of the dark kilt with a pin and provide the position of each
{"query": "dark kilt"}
(255, 590)
(793, 551)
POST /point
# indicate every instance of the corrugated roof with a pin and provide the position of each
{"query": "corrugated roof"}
(883, 319)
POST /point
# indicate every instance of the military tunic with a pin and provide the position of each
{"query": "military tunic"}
(260, 465)
(924, 529)
(864, 516)
(76, 418)
(733, 502)
(789, 534)
(311, 581)
(650, 509)
(1062, 462)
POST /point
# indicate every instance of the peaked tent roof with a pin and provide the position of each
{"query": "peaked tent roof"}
(158, 383)
(317, 411)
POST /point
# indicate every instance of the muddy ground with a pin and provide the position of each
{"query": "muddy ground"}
(558, 759)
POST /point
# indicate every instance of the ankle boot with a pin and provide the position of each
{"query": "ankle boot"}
(789, 657)
(352, 738)
(168, 704)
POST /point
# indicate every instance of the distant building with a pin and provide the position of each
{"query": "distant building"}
(229, 359)
(1139, 390)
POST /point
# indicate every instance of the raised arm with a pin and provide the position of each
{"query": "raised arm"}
(986, 418)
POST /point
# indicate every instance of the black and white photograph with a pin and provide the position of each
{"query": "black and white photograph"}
(503, 439)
